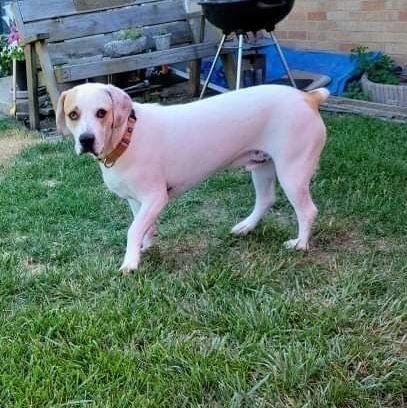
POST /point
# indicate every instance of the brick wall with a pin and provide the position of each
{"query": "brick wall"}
(344, 24)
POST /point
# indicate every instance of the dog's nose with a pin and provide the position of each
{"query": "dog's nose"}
(87, 140)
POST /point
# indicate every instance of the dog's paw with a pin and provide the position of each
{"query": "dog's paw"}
(128, 267)
(296, 244)
(243, 228)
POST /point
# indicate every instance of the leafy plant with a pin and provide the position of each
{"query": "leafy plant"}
(354, 91)
(380, 70)
(5, 60)
(9, 50)
(131, 34)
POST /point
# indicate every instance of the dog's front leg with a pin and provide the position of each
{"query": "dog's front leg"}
(148, 240)
(145, 218)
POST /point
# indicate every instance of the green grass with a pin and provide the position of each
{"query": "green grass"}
(209, 320)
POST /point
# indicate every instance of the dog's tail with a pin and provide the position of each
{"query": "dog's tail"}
(316, 97)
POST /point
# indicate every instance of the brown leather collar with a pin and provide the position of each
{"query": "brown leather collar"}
(110, 160)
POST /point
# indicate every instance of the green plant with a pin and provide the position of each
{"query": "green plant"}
(354, 91)
(380, 70)
(131, 34)
(5, 60)
(10, 50)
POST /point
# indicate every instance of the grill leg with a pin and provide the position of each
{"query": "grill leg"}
(208, 79)
(239, 62)
(283, 60)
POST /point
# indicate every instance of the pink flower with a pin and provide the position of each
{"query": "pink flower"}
(14, 36)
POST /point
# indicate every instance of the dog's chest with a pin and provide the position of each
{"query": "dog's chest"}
(117, 183)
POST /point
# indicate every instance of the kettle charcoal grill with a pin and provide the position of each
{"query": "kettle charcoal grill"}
(242, 17)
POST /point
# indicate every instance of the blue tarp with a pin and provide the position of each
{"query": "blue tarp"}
(341, 68)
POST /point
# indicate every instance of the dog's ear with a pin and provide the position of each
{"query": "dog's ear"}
(122, 106)
(60, 115)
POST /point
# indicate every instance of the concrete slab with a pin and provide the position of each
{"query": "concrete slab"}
(5, 95)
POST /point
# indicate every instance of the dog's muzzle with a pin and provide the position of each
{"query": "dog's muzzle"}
(87, 141)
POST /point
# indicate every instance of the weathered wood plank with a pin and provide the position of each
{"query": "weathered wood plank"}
(48, 70)
(18, 18)
(35, 10)
(32, 87)
(101, 22)
(365, 108)
(125, 64)
(43, 9)
(229, 66)
(195, 66)
(81, 5)
(33, 38)
(68, 51)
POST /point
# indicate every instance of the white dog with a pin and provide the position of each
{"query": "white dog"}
(150, 153)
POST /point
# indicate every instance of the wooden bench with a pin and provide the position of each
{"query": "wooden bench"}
(64, 39)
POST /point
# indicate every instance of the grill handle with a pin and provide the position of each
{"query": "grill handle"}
(265, 5)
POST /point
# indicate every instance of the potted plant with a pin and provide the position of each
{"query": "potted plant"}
(126, 42)
(12, 53)
(381, 78)
(162, 40)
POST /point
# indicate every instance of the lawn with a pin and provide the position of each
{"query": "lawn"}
(209, 320)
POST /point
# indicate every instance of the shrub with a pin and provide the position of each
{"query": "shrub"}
(380, 70)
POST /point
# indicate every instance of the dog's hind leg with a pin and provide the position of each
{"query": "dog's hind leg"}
(295, 180)
(263, 177)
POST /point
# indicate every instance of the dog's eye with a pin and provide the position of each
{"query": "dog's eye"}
(101, 113)
(73, 115)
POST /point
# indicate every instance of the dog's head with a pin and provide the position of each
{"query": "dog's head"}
(96, 115)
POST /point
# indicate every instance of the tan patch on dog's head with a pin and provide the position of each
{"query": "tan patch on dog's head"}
(97, 109)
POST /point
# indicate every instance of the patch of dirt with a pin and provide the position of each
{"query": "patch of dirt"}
(33, 268)
(184, 252)
(212, 211)
(349, 240)
(11, 146)
(325, 252)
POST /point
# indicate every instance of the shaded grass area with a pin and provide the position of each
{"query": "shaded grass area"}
(210, 320)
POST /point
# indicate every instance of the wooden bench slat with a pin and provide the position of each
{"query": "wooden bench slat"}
(46, 9)
(116, 65)
(82, 25)
(70, 50)
(81, 5)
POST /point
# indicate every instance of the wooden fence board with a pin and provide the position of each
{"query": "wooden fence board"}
(48, 9)
(82, 25)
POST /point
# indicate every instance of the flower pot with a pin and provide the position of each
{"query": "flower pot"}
(162, 42)
(383, 93)
(120, 48)
(21, 75)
